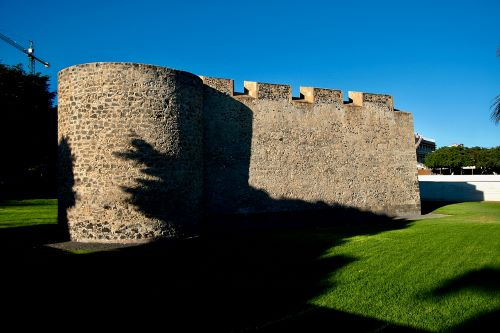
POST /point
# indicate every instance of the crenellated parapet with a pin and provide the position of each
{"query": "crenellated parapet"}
(366, 99)
(225, 86)
(268, 91)
(320, 95)
(311, 95)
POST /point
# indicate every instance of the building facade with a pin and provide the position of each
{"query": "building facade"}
(424, 147)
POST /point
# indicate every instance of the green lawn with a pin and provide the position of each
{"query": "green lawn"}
(22, 213)
(434, 275)
(431, 274)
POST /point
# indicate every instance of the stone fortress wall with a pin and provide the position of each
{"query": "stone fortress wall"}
(146, 151)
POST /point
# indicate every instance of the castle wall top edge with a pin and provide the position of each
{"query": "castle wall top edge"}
(276, 91)
(122, 64)
(259, 90)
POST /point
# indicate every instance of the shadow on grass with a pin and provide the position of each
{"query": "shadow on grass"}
(430, 206)
(256, 276)
(16, 241)
(485, 280)
(486, 322)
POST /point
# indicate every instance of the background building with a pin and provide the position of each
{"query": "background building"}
(424, 147)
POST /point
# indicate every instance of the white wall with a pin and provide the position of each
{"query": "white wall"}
(459, 188)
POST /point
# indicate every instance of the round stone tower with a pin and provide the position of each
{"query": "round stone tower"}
(130, 152)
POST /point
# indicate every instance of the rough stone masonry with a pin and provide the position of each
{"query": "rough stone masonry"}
(145, 152)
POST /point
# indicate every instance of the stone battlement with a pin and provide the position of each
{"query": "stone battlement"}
(147, 152)
(283, 92)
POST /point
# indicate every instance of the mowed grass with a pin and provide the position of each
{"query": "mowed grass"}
(435, 275)
(431, 274)
(24, 213)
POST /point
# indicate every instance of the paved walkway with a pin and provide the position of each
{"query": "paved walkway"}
(78, 246)
(420, 216)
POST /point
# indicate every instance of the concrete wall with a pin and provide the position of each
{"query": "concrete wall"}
(460, 188)
(146, 150)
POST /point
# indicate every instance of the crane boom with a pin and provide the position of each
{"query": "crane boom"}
(13, 43)
(28, 51)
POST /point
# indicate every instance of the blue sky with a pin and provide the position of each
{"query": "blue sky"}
(437, 58)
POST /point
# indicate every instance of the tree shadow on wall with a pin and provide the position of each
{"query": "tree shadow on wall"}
(157, 193)
(151, 194)
(66, 181)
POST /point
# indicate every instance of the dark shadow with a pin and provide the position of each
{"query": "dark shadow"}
(28, 135)
(227, 137)
(159, 198)
(66, 180)
(254, 276)
(485, 280)
(430, 206)
(28, 239)
(152, 196)
(486, 322)
(449, 191)
(326, 320)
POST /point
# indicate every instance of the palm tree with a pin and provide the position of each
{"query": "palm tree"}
(495, 114)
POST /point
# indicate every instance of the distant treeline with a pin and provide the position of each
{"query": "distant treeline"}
(28, 134)
(485, 160)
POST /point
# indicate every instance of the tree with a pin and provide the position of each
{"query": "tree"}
(28, 134)
(490, 160)
(487, 160)
(495, 114)
(447, 157)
